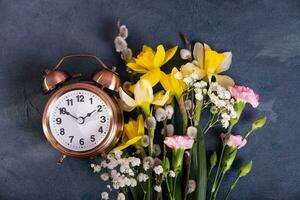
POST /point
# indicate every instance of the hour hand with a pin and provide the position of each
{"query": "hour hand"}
(68, 113)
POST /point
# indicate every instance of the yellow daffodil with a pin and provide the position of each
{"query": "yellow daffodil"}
(143, 97)
(174, 85)
(134, 132)
(149, 62)
(208, 62)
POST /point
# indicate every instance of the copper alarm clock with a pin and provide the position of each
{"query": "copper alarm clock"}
(82, 119)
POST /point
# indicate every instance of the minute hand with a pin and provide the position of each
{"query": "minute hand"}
(89, 114)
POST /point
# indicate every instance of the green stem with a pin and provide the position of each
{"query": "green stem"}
(219, 184)
(174, 187)
(217, 173)
(168, 187)
(232, 187)
(202, 172)
(209, 172)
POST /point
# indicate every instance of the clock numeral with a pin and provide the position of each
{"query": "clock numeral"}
(58, 120)
(100, 129)
(80, 98)
(69, 102)
(91, 100)
(99, 107)
(71, 138)
(81, 141)
(62, 131)
(62, 110)
(93, 138)
(102, 119)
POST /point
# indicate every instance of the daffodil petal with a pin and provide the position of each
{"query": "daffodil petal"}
(124, 106)
(130, 129)
(224, 80)
(190, 68)
(165, 81)
(143, 92)
(212, 61)
(206, 46)
(126, 98)
(159, 56)
(152, 76)
(140, 124)
(146, 60)
(137, 68)
(127, 144)
(162, 101)
(198, 54)
(170, 53)
(178, 85)
(225, 63)
(148, 49)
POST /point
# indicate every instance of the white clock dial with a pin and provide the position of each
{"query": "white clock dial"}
(79, 120)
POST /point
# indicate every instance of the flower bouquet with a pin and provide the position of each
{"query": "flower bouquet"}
(160, 158)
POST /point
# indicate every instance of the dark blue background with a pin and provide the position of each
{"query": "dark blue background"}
(263, 35)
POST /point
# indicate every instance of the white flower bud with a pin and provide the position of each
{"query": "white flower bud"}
(169, 130)
(199, 96)
(158, 169)
(145, 141)
(150, 123)
(104, 196)
(160, 114)
(123, 31)
(126, 54)
(169, 111)
(157, 150)
(104, 176)
(121, 196)
(185, 54)
(120, 44)
(192, 132)
(191, 186)
(214, 110)
(157, 188)
(172, 173)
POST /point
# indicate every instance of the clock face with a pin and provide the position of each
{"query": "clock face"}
(79, 120)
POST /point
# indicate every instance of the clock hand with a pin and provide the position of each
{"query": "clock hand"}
(89, 114)
(68, 113)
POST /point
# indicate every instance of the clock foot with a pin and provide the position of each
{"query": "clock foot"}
(61, 159)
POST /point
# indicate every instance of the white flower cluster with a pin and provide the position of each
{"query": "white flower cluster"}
(200, 89)
(120, 171)
(222, 103)
(124, 172)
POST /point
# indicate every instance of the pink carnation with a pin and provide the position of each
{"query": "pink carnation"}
(244, 94)
(236, 141)
(176, 141)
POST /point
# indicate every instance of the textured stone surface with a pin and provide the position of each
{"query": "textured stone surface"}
(264, 37)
